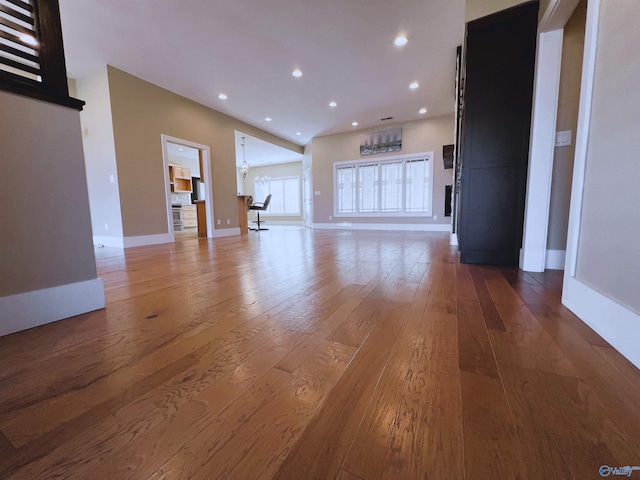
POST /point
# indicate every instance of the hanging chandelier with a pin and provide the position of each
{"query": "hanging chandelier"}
(263, 178)
(244, 168)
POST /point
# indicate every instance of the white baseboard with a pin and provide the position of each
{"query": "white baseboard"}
(226, 232)
(296, 223)
(32, 309)
(453, 240)
(615, 323)
(143, 240)
(117, 242)
(418, 227)
(555, 259)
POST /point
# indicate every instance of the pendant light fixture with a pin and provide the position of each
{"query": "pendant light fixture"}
(263, 178)
(244, 168)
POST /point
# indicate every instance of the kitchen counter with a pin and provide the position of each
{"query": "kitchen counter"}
(202, 217)
(244, 201)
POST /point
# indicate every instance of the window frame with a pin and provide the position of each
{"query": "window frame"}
(428, 156)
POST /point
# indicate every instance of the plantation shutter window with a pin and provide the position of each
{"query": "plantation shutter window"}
(368, 188)
(391, 187)
(395, 186)
(285, 195)
(346, 189)
(31, 51)
(417, 183)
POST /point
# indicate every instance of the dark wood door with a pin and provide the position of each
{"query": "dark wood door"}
(499, 60)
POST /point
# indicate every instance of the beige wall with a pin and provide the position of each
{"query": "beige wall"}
(421, 136)
(71, 86)
(239, 182)
(142, 112)
(544, 4)
(307, 158)
(100, 154)
(280, 170)
(569, 98)
(475, 9)
(46, 230)
(608, 248)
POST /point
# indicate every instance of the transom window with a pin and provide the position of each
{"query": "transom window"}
(285, 195)
(392, 186)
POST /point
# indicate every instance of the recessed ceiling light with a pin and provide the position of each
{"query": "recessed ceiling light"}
(180, 149)
(296, 73)
(298, 133)
(400, 41)
(333, 104)
(414, 85)
(422, 111)
(222, 96)
(355, 124)
(268, 119)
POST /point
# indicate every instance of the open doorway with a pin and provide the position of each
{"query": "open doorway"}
(266, 169)
(566, 126)
(553, 132)
(188, 189)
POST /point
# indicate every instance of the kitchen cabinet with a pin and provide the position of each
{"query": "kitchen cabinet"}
(180, 178)
(189, 216)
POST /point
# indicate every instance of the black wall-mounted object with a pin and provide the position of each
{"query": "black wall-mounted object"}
(447, 156)
(455, 201)
(447, 200)
(195, 189)
(499, 59)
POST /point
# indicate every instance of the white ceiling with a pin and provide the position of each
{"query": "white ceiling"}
(248, 49)
(258, 152)
(176, 150)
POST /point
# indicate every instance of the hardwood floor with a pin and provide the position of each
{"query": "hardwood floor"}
(293, 354)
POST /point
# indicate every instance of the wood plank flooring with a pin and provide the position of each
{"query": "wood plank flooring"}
(292, 354)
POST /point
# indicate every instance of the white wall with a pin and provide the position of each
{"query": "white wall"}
(601, 281)
(100, 158)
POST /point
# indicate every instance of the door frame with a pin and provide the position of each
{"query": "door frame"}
(206, 166)
(533, 256)
(307, 196)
